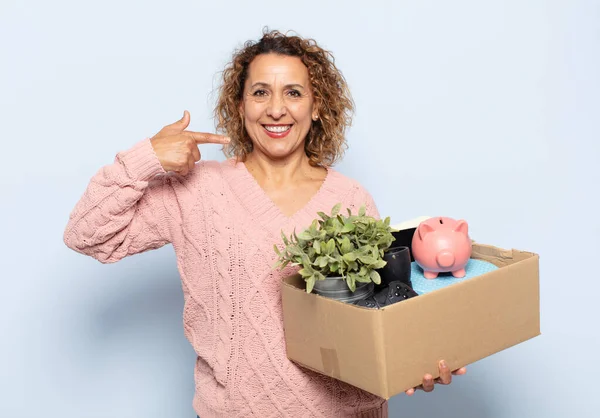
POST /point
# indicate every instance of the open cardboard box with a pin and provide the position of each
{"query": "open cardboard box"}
(387, 351)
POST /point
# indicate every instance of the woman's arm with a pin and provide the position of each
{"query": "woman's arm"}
(122, 210)
(126, 208)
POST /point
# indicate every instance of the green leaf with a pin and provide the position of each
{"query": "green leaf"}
(294, 250)
(277, 250)
(348, 227)
(379, 264)
(323, 247)
(350, 282)
(345, 245)
(284, 238)
(306, 271)
(367, 259)
(314, 227)
(375, 277)
(306, 260)
(330, 248)
(317, 246)
(362, 211)
(352, 266)
(336, 209)
(321, 261)
(305, 235)
(310, 283)
(349, 256)
(362, 278)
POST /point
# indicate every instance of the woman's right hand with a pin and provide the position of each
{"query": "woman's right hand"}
(177, 149)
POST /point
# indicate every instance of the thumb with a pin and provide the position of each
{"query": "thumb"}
(181, 124)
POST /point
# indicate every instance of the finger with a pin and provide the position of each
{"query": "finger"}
(191, 163)
(428, 384)
(195, 153)
(206, 138)
(181, 124)
(460, 371)
(445, 374)
(184, 170)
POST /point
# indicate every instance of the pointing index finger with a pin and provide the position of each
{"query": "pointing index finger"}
(206, 138)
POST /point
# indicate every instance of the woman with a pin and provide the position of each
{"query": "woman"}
(284, 106)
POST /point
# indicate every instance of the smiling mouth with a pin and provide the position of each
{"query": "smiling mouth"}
(277, 129)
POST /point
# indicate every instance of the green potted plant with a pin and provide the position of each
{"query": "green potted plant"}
(339, 255)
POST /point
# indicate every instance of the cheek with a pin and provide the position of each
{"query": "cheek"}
(301, 112)
(252, 111)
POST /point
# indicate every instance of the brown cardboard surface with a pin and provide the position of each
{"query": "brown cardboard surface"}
(325, 336)
(388, 351)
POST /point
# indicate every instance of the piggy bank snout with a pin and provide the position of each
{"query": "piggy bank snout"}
(445, 259)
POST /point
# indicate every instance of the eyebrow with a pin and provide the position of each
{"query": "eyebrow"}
(287, 86)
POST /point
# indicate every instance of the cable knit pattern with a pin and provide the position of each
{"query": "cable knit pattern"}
(222, 226)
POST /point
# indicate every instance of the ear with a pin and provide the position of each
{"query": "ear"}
(316, 108)
(462, 227)
(424, 229)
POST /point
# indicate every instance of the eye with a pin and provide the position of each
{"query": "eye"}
(295, 93)
(259, 93)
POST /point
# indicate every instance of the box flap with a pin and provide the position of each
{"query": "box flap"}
(499, 256)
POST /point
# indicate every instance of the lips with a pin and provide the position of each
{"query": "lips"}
(277, 131)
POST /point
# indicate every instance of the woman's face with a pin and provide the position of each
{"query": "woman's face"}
(278, 105)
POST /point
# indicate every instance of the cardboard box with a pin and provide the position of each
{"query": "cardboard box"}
(387, 351)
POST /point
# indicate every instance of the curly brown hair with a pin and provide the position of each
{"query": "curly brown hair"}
(325, 142)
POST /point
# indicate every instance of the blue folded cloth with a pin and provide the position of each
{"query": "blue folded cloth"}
(422, 285)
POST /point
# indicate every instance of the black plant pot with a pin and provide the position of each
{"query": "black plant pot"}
(336, 288)
(397, 267)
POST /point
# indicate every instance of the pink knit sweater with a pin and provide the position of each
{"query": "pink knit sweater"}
(222, 227)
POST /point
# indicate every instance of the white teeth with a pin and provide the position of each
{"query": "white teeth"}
(278, 129)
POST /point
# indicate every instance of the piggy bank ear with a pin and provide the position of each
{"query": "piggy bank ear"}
(423, 229)
(462, 227)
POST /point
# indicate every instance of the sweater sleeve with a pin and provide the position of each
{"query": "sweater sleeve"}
(122, 210)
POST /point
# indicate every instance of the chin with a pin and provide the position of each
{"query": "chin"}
(280, 154)
(280, 150)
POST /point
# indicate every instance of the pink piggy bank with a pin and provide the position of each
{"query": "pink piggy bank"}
(442, 244)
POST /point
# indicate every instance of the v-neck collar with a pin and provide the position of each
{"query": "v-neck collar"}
(265, 211)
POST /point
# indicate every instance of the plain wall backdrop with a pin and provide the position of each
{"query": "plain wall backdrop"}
(487, 111)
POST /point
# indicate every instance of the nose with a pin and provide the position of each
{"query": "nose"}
(276, 108)
(445, 259)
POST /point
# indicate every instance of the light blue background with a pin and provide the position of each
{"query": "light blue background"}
(488, 111)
